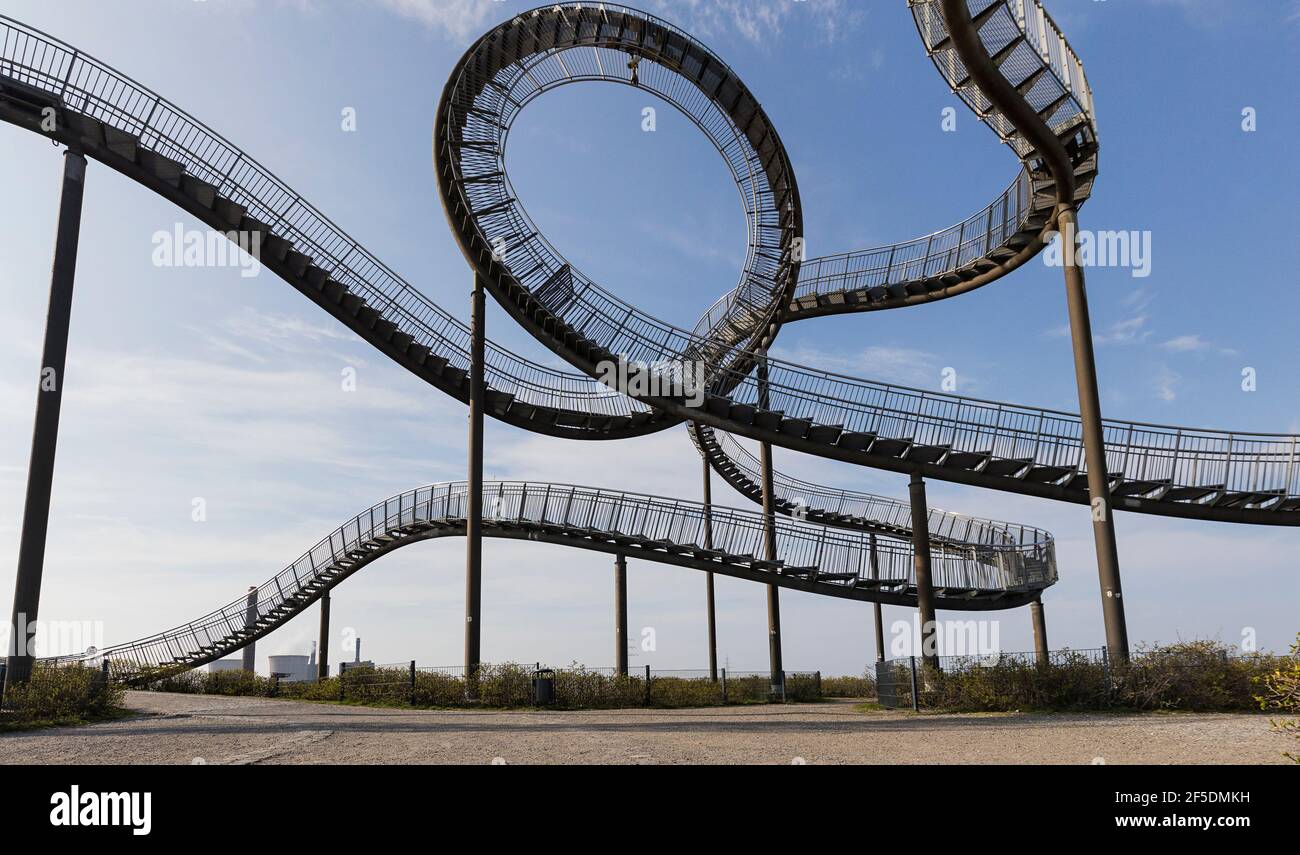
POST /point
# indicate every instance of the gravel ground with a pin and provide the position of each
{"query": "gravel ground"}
(203, 729)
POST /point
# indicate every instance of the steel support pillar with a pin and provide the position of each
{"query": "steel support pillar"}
(323, 647)
(620, 614)
(1040, 632)
(250, 622)
(1094, 444)
(880, 623)
(708, 577)
(45, 433)
(921, 564)
(474, 493)
(769, 541)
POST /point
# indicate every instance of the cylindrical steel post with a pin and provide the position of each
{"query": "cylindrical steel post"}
(323, 648)
(620, 614)
(45, 433)
(921, 563)
(708, 577)
(1040, 632)
(1094, 444)
(250, 620)
(769, 542)
(880, 623)
(474, 492)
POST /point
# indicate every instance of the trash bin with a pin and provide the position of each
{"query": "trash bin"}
(543, 686)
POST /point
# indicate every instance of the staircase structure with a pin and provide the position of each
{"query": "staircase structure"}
(827, 544)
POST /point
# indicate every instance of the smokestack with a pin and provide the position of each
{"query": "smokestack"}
(311, 660)
(358, 659)
(250, 621)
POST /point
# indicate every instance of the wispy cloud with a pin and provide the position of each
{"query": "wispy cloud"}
(904, 365)
(759, 22)
(456, 19)
(1195, 343)
(1167, 382)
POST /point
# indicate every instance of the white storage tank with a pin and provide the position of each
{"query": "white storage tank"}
(292, 667)
(226, 665)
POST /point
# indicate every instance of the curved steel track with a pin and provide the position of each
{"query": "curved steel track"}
(1034, 95)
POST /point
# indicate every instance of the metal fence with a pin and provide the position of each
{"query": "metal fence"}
(517, 685)
(55, 690)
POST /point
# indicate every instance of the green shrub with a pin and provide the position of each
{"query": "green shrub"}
(863, 686)
(1194, 676)
(681, 692)
(1282, 692)
(242, 683)
(503, 686)
(66, 693)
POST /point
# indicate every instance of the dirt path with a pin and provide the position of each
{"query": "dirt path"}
(201, 729)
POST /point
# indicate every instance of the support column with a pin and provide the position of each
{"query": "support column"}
(45, 433)
(474, 493)
(1040, 632)
(921, 563)
(250, 620)
(708, 577)
(769, 542)
(1094, 445)
(323, 648)
(880, 624)
(620, 614)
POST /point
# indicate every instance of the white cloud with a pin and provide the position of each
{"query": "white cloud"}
(759, 22)
(1186, 344)
(457, 19)
(905, 365)
(1167, 382)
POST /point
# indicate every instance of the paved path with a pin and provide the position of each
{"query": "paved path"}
(205, 729)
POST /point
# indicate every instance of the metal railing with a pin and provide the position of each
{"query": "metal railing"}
(956, 530)
(651, 522)
(91, 88)
(928, 257)
(1029, 43)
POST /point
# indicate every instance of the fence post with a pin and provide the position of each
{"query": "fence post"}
(916, 699)
(343, 667)
(819, 685)
(412, 682)
(4, 666)
(103, 674)
(724, 686)
(647, 685)
(782, 685)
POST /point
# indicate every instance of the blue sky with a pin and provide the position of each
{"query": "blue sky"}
(187, 383)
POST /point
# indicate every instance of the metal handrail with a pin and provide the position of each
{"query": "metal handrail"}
(95, 89)
(737, 534)
(875, 511)
(1181, 457)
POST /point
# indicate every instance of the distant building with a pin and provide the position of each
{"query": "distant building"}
(292, 668)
